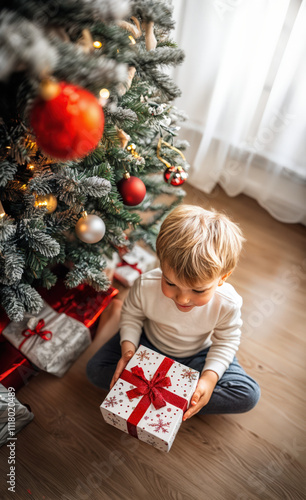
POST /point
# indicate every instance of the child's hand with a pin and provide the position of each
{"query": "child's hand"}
(202, 394)
(128, 351)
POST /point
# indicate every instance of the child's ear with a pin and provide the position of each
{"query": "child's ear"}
(224, 278)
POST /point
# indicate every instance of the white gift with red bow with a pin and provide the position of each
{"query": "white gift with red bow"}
(150, 397)
(134, 263)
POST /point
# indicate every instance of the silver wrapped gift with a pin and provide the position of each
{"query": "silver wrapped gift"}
(52, 344)
(13, 415)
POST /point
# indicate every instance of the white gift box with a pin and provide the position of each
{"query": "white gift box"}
(111, 265)
(68, 340)
(131, 403)
(126, 275)
(144, 260)
(138, 257)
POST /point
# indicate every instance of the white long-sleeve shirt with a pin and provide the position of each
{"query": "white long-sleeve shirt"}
(182, 334)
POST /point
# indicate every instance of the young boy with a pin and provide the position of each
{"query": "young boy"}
(186, 311)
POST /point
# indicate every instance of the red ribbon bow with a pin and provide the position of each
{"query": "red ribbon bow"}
(152, 391)
(133, 266)
(150, 387)
(45, 334)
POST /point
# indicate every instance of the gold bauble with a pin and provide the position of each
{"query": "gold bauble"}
(47, 201)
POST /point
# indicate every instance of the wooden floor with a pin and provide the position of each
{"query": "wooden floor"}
(69, 452)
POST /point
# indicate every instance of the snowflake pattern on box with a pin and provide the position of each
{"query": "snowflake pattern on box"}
(114, 420)
(142, 355)
(190, 374)
(110, 402)
(160, 426)
(155, 427)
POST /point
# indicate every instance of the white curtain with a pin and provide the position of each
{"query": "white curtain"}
(243, 86)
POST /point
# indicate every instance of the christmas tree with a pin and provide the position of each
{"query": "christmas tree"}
(87, 138)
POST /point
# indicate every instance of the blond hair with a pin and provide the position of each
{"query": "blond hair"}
(198, 245)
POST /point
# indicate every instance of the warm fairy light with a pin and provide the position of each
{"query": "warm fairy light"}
(31, 166)
(133, 41)
(104, 93)
(8, 147)
(97, 44)
(47, 201)
(23, 187)
(2, 211)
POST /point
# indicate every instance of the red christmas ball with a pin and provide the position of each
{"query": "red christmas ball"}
(132, 190)
(176, 175)
(68, 121)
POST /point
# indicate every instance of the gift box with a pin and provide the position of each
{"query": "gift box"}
(111, 265)
(13, 417)
(150, 397)
(82, 303)
(134, 263)
(50, 340)
(15, 369)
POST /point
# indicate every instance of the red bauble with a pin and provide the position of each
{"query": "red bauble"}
(176, 174)
(67, 120)
(132, 190)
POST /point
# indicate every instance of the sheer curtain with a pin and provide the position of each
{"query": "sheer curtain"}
(244, 88)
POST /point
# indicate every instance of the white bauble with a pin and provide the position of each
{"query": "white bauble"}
(90, 229)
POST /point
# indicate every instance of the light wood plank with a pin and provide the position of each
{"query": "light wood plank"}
(69, 452)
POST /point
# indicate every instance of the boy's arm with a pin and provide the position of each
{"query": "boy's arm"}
(225, 341)
(132, 316)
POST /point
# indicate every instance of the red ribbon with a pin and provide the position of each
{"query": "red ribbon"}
(133, 266)
(150, 387)
(153, 391)
(10, 370)
(45, 334)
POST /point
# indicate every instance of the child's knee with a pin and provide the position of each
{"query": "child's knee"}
(90, 371)
(253, 396)
(94, 373)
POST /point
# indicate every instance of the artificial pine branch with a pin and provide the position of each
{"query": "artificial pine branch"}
(32, 240)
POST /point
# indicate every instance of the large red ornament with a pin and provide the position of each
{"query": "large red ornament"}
(131, 189)
(177, 175)
(68, 121)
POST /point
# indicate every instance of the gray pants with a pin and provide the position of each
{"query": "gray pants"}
(235, 392)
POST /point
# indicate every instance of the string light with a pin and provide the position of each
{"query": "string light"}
(2, 211)
(132, 149)
(47, 201)
(97, 44)
(104, 95)
(31, 166)
(133, 41)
